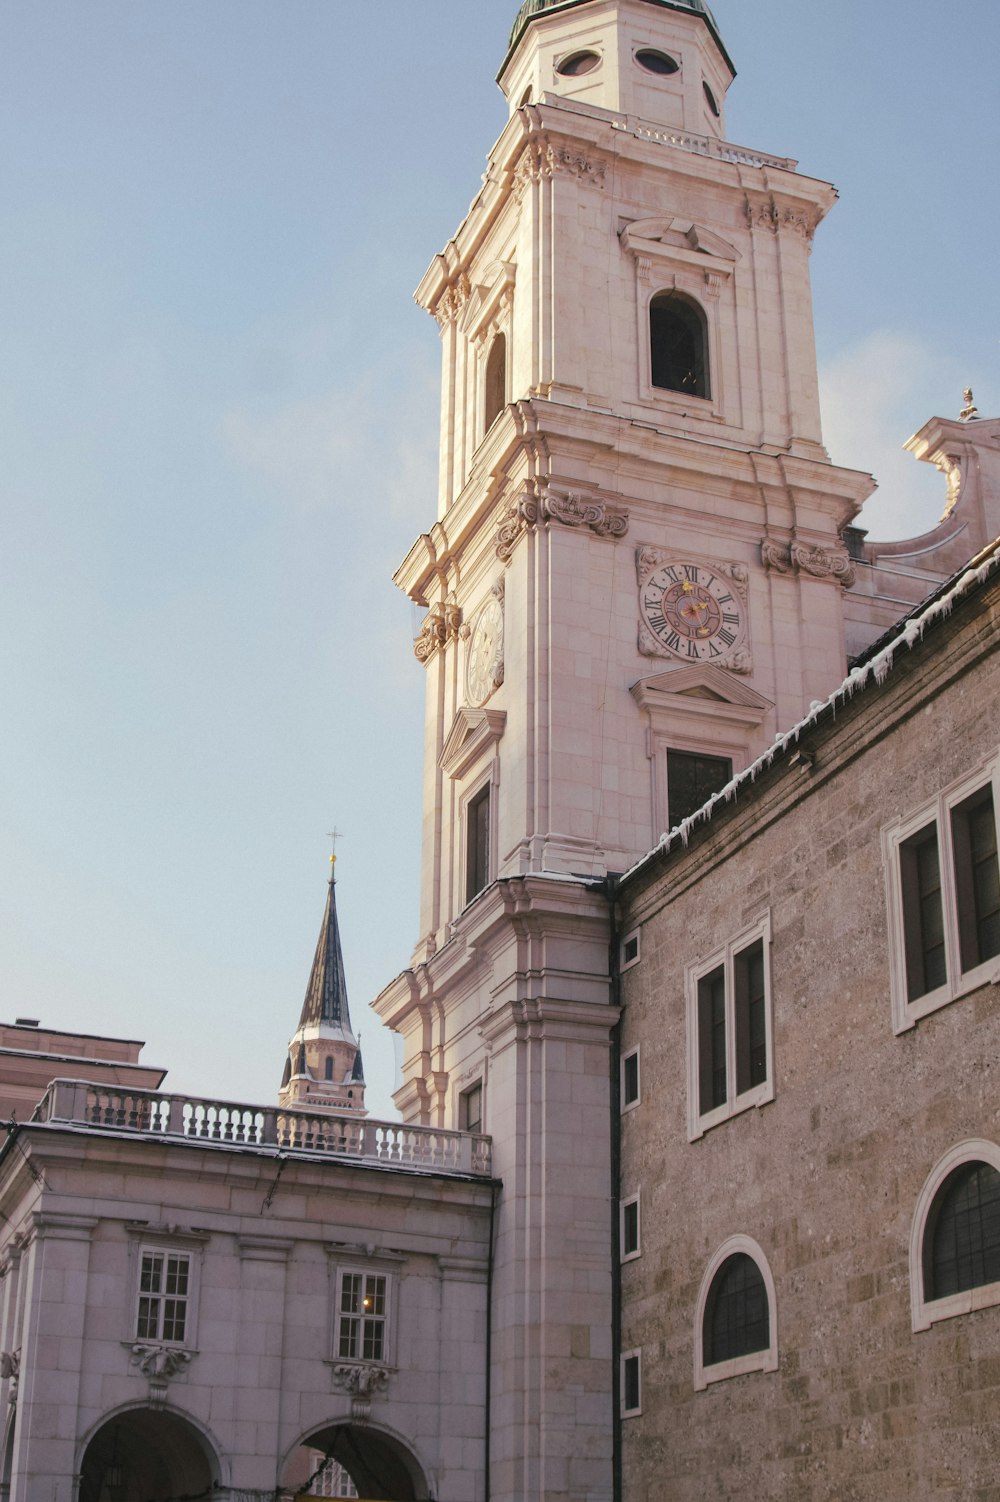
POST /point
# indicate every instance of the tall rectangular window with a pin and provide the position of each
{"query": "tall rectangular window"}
(470, 1108)
(729, 1031)
(477, 843)
(164, 1290)
(691, 781)
(362, 1316)
(943, 882)
(630, 1228)
(631, 1383)
(630, 1079)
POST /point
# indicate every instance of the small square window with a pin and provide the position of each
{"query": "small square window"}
(729, 1031)
(631, 1383)
(630, 1228)
(943, 881)
(630, 1079)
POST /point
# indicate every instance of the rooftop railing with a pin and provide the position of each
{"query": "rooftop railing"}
(685, 140)
(385, 1144)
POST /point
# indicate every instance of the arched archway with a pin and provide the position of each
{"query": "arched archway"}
(381, 1467)
(147, 1455)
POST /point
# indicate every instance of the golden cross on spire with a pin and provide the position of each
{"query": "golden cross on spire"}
(334, 835)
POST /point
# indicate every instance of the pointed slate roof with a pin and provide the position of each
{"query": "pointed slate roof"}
(326, 993)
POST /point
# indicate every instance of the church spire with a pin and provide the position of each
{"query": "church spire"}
(323, 1069)
(326, 993)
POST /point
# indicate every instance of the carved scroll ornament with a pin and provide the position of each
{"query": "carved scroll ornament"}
(540, 159)
(159, 1364)
(440, 625)
(362, 1382)
(571, 508)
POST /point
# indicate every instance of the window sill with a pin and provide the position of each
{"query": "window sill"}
(909, 1013)
(751, 1100)
(740, 1366)
(987, 1296)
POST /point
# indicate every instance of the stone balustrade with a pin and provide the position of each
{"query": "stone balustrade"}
(704, 145)
(81, 1103)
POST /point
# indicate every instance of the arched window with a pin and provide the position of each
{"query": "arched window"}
(735, 1330)
(329, 1068)
(496, 381)
(678, 345)
(737, 1320)
(955, 1251)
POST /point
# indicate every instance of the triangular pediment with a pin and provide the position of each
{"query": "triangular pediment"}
(473, 733)
(669, 233)
(700, 681)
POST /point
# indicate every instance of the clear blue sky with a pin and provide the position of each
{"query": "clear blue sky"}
(218, 436)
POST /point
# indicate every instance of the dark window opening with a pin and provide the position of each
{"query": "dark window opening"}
(977, 878)
(630, 1228)
(711, 100)
(962, 1247)
(923, 913)
(496, 381)
(678, 345)
(737, 1318)
(477, 850)
(328, 1072)
(691, 781)
(631, 1394)
(712, 1081)
(751, 1024)
(578, 63)
(470, 1109)
(656, 62)
(630, 1079)
(630, 950)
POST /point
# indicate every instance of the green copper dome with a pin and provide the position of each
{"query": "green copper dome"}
(532, 8)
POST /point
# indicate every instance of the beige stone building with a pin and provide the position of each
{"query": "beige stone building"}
(642, 571)
(810, 1144)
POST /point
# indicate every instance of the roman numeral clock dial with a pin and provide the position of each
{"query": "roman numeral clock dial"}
(696, 612)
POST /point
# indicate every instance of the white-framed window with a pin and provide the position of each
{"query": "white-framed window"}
(164, 1309)
(631, 1228)
(630, 949)
(943, 890)
(631, 1083)
(736, 1324)
(470, 1108)
(362, 1318)
(955, 1237)
(730, 1033)
(631, 1384)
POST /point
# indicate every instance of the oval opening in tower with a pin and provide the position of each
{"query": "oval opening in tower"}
(710, 97)
(657, 62)
(578, 63)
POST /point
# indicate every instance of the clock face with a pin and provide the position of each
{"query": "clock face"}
(693, 611)
(484, 670)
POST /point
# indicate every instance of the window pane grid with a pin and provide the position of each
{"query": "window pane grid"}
(737, 1319)
(164, 1282)
(966, 1241)
(362, 1317)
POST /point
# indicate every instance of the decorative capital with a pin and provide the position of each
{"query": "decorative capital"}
(818, 563)
(571, 508)
(540, 159)
(766, 213)
(10, 1371)
(441, 624)
(452, 300)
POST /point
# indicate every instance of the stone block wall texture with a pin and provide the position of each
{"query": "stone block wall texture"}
(826, 1178)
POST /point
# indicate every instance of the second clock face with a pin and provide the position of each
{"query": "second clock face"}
(693, 611)
(485, 660)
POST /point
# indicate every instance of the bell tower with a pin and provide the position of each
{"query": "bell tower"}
(634, 580)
